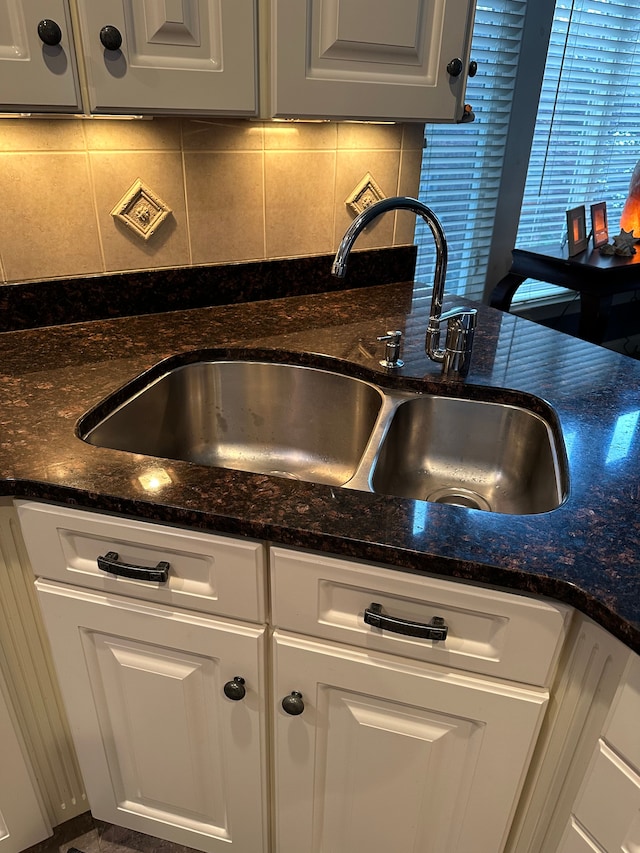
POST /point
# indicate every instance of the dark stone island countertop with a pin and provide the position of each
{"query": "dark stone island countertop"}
(585, 553)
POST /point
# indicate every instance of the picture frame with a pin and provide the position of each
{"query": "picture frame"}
(577, 237)
(599, 225)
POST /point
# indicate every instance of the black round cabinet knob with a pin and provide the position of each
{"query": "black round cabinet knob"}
(111, 37)
(235, 690)
(49, 32)
(293, 703)
(454, 68)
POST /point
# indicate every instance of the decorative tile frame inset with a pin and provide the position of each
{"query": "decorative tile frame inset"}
(364, 195)
(141, 210)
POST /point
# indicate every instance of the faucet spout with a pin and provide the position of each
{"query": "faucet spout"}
(456, 354)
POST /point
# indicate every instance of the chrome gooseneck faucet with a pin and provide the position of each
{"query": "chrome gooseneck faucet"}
(455, 357)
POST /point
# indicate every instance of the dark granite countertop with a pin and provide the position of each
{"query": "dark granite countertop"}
(585, 553)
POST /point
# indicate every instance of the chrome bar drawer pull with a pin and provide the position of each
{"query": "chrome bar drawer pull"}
(110, 563)
(435, 630)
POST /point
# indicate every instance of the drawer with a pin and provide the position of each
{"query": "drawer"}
(623, 728)
(608, 805)
(490, 632)
(216, 574)
(575, 840)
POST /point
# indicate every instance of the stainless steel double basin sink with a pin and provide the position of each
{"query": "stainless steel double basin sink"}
(317, 425)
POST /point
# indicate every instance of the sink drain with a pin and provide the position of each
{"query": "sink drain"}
(459, 497)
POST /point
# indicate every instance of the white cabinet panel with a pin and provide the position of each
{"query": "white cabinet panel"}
(606, 813)
(22, 822)
(609, 805)
(345, 30)
(162, 749)
(355, 59)
(623, 728)
(391, 754)
(195, 56)
(35, 75)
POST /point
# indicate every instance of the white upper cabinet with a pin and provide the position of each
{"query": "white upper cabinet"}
(170, 56)
(395, 60)
(370, 59)
(37, 60)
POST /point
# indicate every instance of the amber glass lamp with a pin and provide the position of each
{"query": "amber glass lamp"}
(630, 219)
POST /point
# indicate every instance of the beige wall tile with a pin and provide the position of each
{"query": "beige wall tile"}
(225, 196)
(300, 135)
(113, 174)
(352, 166)
(413, 135)
(409, 185)
(158, 134)
(206, 134)
(253, 189)
(300, 210)
(48, 227)
(41, 135)
(360, 135)
(409, 177)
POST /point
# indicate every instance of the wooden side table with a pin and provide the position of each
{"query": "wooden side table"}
(594, 276)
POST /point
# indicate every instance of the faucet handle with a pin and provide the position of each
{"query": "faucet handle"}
(461, 327)
(392, 349)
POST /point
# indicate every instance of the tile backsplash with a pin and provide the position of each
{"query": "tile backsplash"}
(238, 191)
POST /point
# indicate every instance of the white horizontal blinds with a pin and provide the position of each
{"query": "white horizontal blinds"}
(462, 164)
(587, 137)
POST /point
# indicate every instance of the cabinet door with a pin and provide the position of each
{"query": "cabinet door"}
(195, 56)
(21, 819)
(390, 754)
(361, 59)
(162, 749)
(35, 75)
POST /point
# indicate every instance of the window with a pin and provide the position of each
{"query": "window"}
(587, 135)
(585, 144)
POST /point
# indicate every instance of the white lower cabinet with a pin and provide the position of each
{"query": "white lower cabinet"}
(390, 754)
(145, 665)
(162, 749)
(384, 741)
(404, 742)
